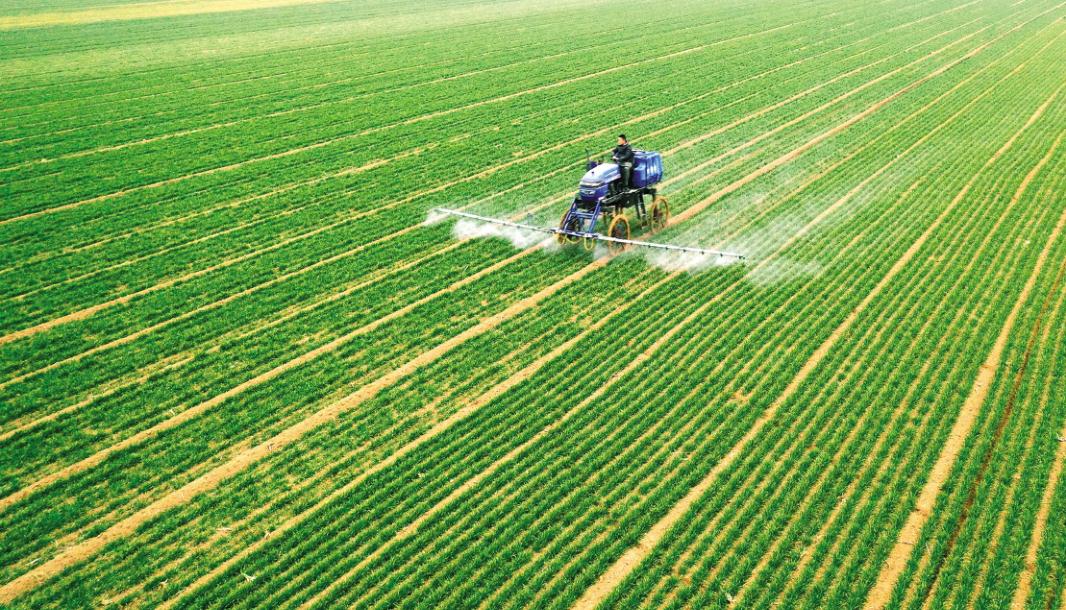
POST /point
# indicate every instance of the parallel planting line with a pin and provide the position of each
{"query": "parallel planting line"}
(140, 10)
(688, 213)
(26, 425)
(318, 104)
(511, 381)
(438, 80)
(380, 162)
(895, 416)
(350, 171)
(768, 555)
(984, 389)
(898, 558)
(629, 560)
(762, 357)
(1002, 518)
(492, 394)
(939, 126)
(140, 334)
(466, 411)
(346, 49)
(740, 121)
(89, 311)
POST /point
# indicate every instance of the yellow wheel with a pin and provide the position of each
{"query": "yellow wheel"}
(618, 229)
(659, 214)
(563, 238)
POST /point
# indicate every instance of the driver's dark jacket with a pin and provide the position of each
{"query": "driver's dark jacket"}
(623, 153)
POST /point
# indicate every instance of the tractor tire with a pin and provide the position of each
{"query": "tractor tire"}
(659, 214)
(564, 239)
(619, 229)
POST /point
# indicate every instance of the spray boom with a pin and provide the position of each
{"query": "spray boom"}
(593, 236)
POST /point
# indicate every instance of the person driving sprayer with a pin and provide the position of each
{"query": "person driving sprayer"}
(623, 156)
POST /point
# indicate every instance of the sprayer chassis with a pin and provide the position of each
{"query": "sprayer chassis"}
(583, 216)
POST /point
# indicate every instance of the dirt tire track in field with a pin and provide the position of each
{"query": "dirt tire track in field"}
(349, 99)
(463, 413)
(213, 305)
(895, 417)
(247, 76)
(646, 116)
(830, 103)
(641, 358)
(687, 213)
(630, 559)
(796, 153)
(1001, 520)
(89, 311)
(1001, 422)
(27, 423)
(806, 556)
(84, 313)
(896, 562)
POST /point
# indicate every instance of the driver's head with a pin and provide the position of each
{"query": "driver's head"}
(622, 139)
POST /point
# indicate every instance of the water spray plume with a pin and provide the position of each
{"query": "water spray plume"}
(433, 217)
(466, 229)
(691, 262)
(783, 271)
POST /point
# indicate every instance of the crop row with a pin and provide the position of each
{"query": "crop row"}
(1009, 454)
(310, 196)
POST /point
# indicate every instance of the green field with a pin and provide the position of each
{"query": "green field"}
(244, 365)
